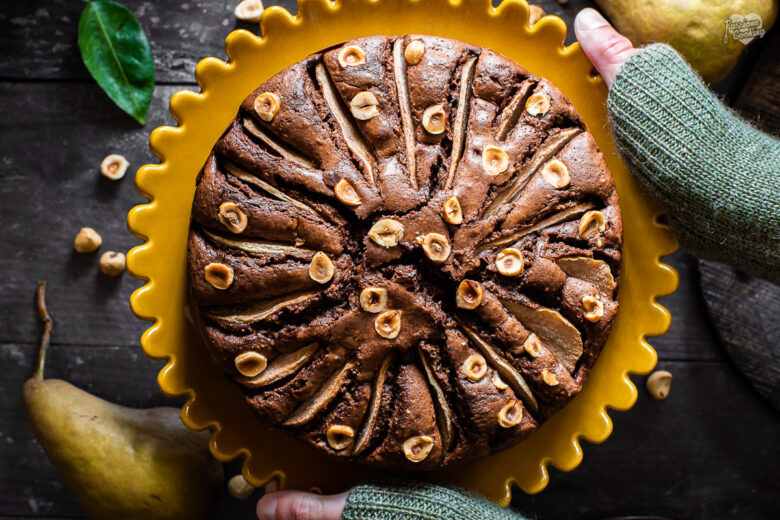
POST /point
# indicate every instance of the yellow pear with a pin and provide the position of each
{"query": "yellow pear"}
(696, 28)
(120, 463)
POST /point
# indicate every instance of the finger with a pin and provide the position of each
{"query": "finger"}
(606, 48)
(299, 505)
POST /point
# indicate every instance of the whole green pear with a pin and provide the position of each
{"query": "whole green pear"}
(696, 28)
(121, 463)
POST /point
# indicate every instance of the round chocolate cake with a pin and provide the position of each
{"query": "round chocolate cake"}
(405, 250)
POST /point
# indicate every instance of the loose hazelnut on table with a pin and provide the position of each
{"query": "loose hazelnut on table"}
(364, 105)
(417, 448)
(388, 324)
(114, 166)
(591, 223)
(453, 214)
(232, 217)
(87, 241)
(434, 119)
(346, 193)
(218, 275)
(321, 269)
(351, 56)
(511, 414)
(535, 14)
(250, 364)
(387, 232)
(267, 105)
(593, 307)
(509, 262)
(339, 436)
(414, 52)
(659, 383)
(469, 294)
(538, 104)
(373, 299)
(112, 263)
(556, 174)
(436, 247)
(494, 160)
(239, 488)
(475, 367)
(249, 10)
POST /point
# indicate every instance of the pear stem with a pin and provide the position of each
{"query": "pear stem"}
(47, 326)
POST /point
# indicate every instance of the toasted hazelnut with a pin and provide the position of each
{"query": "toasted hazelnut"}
(659, 383)
(498, 382)
(87, 241)
(340, 436)
(250, 364)
(436, 247)
(453, 214)
(533, 346)
(556, 174)
(267, 105)
(494, 160)
(388, 324)
(593, 307)
(219, 275)
(469, 294)
(434, 119)
(239, 488)
(592, 222)
(549, 378)
(373, 299)
(535, 14)
(538, 104)
(351, 56)
(414, 52)
(509, 262)
(364, 105)
(511, 414)
(418, 447)
(232, 217)
(387, 232)
(321, 269)
(346, 193)
(474, 367)
(112, 263)
(114, 167)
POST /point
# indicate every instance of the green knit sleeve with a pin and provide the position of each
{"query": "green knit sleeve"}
(717, 177)
(416, 500)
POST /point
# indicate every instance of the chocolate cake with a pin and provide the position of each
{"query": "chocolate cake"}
(406, 251)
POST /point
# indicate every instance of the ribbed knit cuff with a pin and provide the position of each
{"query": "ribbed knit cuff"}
(717, 177)
(414, 500)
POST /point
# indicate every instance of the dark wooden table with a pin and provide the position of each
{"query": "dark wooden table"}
(709, 450)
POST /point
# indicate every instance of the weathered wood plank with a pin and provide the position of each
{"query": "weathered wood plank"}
(691, 336)
(685, 457)
(708, 451)
(38, 38)
(54, 137)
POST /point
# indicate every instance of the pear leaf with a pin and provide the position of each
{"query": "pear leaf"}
(116, 52)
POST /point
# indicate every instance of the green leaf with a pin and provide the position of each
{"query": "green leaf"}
(117, 54)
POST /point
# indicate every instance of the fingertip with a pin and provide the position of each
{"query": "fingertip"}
(606, 48)
(266, 507)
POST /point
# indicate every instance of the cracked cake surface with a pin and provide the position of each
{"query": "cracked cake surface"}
(406, 251)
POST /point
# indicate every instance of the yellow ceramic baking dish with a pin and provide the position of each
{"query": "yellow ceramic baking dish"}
(214, 402)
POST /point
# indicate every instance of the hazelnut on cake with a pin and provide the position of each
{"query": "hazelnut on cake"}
(406, 251)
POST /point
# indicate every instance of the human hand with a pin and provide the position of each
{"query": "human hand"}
(299, 505)
(606, 48)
